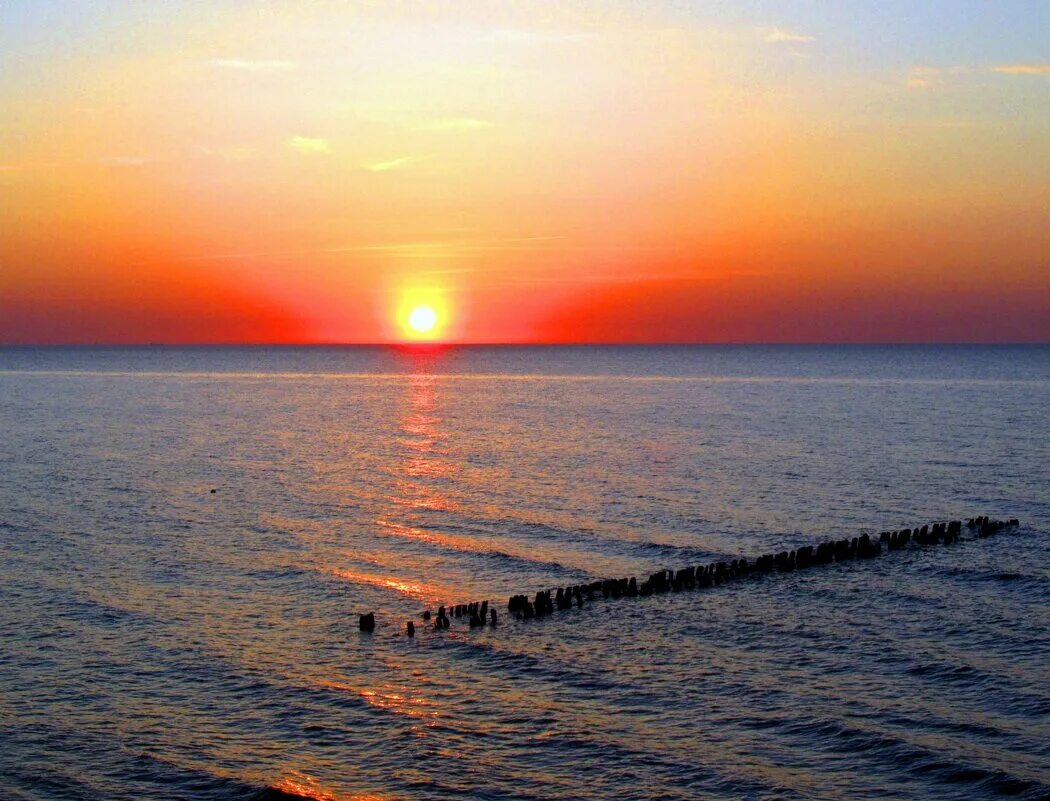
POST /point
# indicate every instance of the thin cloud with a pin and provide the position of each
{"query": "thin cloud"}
(309, 145)
(932, 77)
(779, 35)
(536, 36)
(392, 164)
(1023, 69)
(945, 124)
(125, 161)
(932, 124)
(416, 123)
(253, 65)
(8, 167)
(452, 124)
(445, 246)
(229, 153)
(935, 77)
(633, 278)
(450, 271)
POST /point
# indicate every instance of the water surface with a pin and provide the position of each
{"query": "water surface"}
(159, 640)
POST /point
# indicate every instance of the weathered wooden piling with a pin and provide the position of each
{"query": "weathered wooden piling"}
(546, 602)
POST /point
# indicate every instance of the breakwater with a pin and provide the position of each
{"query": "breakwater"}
(531, 606)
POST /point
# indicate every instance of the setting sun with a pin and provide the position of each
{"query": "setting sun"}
(422, 319)
(422, 315)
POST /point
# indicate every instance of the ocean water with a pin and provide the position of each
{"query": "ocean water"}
(162, 641)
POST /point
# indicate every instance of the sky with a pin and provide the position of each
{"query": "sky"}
(658, 171)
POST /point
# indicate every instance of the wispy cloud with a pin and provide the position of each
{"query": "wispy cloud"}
(932, 124)
(309, 145)
(392, 164)
(8, 167)
(932, 77)
(780, 35)
(229, 153)
(536, 36)
(1023, 69)
(253, 65)
(946, 124)
(125, 161)
(406, 248)
(673, 276)
(451, 124)
(399, 117)
(935, 77)
(915, 82)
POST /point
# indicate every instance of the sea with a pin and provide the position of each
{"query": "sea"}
(188, 536)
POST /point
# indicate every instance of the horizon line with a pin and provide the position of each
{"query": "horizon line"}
(582, 344)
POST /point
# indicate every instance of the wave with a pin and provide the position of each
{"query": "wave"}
(469, 545)
(419, 591)
(299, 786)
(590, 543)
(837, 736)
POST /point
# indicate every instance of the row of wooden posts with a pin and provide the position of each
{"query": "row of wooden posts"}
(547, 602)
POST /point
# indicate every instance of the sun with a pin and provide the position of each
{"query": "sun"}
(422, 315)
(423, 319)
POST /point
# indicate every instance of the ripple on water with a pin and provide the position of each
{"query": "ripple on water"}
(159, 641)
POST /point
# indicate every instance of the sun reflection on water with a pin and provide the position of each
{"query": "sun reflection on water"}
(304, 785)
(389, 698)
(412, 589)
(422, 472)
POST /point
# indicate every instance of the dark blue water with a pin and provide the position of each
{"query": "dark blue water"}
(158, 640)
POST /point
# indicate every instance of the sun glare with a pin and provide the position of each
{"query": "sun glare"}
(422, 315)
(422, 319)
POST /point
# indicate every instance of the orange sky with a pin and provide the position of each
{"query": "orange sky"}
(299, 172)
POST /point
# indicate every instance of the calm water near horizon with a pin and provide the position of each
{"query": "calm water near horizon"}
(161, 641)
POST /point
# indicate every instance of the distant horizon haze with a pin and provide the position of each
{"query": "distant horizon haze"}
(444, 345)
